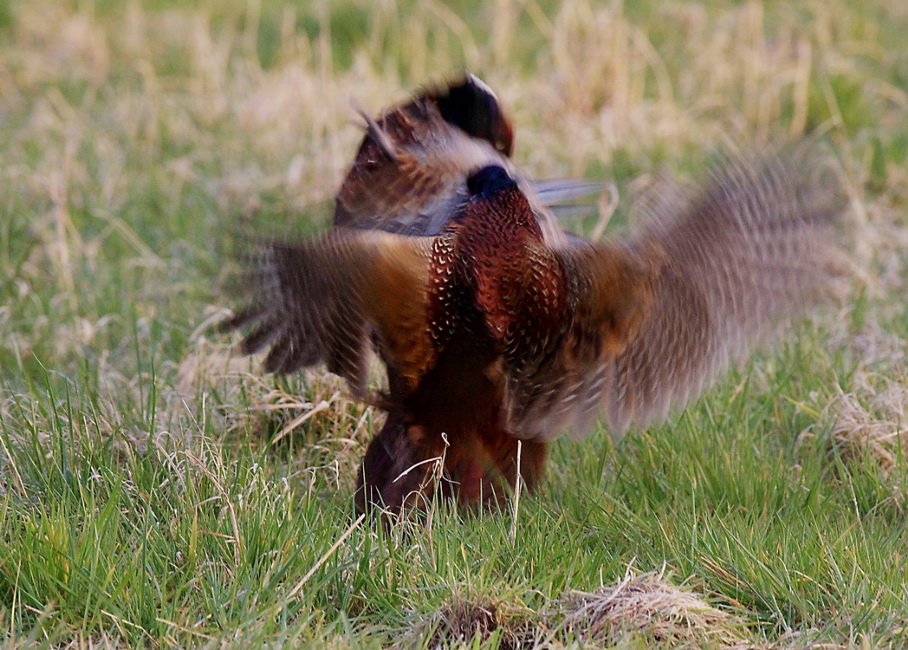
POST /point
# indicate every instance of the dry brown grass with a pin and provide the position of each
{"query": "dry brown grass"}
(601, 85)
(464, 621)
(315, 410)
(872, 420)
(649, 607)
(640, 610)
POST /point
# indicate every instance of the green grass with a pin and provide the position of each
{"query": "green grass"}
(148, 493)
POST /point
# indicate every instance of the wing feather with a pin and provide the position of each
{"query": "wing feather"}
(747, 254)
(651, 322)
(317, 301)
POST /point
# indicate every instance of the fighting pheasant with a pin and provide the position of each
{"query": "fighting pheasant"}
(500, 331)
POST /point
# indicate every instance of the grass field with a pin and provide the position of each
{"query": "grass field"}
(157, 490)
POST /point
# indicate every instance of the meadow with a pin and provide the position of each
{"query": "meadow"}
(157, 490)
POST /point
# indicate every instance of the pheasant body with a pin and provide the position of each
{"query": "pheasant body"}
(488, 299)
(498, 330)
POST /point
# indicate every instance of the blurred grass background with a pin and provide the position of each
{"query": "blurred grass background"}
(156, 490)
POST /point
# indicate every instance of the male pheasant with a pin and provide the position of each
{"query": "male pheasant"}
(500, 331)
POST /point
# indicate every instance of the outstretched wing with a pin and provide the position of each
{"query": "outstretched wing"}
(705, 280)
(748, 254)
(316, 301)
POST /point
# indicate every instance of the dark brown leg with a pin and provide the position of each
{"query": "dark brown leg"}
(400, 467)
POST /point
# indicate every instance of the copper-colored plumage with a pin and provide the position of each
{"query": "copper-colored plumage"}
(499, 330)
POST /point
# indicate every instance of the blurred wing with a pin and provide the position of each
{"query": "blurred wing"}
(749, 253)
(316, 302)
(652, 322)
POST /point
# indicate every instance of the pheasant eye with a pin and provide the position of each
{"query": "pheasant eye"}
(489, 180)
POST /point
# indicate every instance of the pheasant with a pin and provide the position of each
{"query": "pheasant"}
(500, 331)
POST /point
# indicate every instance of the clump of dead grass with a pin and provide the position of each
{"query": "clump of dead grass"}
(871, 419)
(641, 608)
(464, 622)
(649, 607)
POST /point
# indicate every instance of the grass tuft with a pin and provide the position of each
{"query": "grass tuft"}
(488, 624)
(649, 609)
(873, 421)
